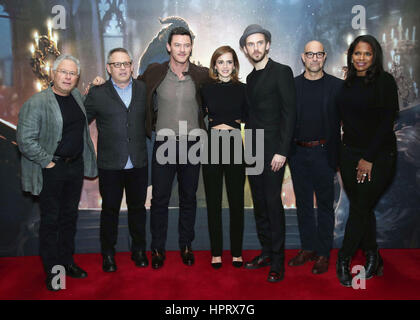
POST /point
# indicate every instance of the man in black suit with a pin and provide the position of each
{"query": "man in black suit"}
(313, 158)
(271, 95)
(119, 109)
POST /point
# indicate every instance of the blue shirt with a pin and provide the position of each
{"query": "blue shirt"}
(125, 95)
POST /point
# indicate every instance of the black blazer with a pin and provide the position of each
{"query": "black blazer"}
(272, 107)
(330, 114)
(121, 130)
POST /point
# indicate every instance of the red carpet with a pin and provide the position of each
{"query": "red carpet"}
(22, 278)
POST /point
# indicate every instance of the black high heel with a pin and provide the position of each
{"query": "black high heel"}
(237, 264)
(216, 265)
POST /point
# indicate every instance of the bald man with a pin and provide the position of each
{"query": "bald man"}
(313, 158)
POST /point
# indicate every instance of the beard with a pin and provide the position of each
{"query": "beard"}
(259, 59)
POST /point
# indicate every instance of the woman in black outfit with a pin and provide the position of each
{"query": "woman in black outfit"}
(368, 106)
(224, 100)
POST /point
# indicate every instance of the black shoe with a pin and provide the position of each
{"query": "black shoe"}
(108, 263)
(140, 259)
(374, 265)
(157, 259)
(187, 256)
(274, 276)
(48, 282)
(258, 262)
(343, 271)
(74, 271)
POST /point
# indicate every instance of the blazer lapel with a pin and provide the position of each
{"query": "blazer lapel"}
(114, 94)
(55, 108)
(261, 80)
(79, 101)
(299, 88)
(133, 93)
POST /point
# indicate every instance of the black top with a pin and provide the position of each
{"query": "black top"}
(329, 113)
(225, 102)
(368, 113)
(311, 120)
(71, 144)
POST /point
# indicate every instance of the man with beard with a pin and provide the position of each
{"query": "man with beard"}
(172, 96)
(271, 95)
(313, 157)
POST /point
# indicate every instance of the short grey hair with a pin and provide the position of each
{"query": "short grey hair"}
(111, 52)
(66, 57)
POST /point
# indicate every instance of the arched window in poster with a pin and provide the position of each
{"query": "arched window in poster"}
(113, 15)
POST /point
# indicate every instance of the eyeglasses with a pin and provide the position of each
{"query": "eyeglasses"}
(65, 73)
(319, 55)
(120, 64)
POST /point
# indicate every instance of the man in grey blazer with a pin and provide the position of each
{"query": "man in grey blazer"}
(57, 151)
(119, 109)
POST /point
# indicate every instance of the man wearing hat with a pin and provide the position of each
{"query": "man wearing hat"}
(272, 107)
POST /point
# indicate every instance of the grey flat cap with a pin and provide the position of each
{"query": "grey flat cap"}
(251, 29)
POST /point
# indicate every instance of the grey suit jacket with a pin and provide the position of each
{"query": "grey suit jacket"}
(121, 130)
(39, 132)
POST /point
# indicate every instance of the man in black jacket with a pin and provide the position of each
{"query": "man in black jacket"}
(119, 107)
(313, 158)
(271, 94)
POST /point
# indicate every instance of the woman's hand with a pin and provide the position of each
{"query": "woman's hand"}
(278, 162)
(364, 169)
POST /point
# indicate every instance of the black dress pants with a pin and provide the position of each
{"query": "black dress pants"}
(311, 174)
(360, 229)
(59, 201)
(162, 180)
(112, 184)
(269, 214)
(213, 186)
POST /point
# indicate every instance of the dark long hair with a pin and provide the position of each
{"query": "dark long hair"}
(377, 65)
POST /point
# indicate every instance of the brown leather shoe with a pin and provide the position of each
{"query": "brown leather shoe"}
(302, 257)
(321, 265)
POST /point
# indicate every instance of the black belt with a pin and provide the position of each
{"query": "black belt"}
(56, 159)
(310, 144)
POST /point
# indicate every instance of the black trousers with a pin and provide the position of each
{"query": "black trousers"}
(162, 180)
(360, 229)
(213, 186)
(112, 184)
(269, 214)
(311, 174)
(59, 201)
